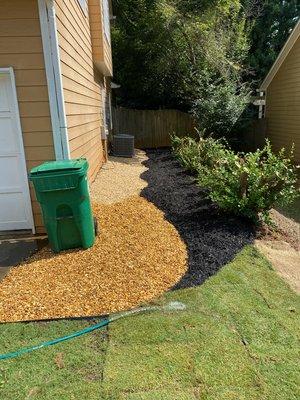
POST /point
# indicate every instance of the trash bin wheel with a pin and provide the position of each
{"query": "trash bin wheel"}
(96, 226)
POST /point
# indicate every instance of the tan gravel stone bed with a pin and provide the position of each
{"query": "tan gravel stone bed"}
(119, 178)
(137, 256)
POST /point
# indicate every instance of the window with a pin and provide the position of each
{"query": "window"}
(106, 18)
(83, 5)
(109, 122)
(107, 114)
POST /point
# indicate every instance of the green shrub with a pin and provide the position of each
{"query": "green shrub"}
(192, 154)
(186, 150)
(243, 184)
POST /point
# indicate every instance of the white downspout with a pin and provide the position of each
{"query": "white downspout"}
(54, 79)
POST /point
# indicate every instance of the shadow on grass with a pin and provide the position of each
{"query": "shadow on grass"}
(212, 239)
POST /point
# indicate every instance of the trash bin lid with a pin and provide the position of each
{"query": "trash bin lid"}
(52, 167)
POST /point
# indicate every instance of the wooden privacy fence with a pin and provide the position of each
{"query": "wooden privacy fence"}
(152, 128)
(254, 135)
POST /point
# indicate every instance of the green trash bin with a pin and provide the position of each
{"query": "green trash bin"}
(62, 190)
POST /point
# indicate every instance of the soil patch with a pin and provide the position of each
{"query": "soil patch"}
(285, 260)
(281, 246)
(212, 238)
(138, 256)
(285, 230)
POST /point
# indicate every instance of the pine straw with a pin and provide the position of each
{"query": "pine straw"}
(137, 256)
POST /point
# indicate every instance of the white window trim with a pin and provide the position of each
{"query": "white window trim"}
(107, 112)
(54, 79)
(110, 110)
(104, 132)
(106, 20)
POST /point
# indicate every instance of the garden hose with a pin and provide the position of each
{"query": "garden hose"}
(173, 306)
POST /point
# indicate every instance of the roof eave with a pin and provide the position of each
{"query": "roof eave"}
(281, 57)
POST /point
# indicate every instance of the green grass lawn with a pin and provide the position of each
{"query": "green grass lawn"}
(237, 340)
(72, 370)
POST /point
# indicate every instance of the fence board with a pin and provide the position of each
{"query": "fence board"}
(254, 135)
(152, 128)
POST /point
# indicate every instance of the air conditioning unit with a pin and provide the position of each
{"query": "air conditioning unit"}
(123, 145)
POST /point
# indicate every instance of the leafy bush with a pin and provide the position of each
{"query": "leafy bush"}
(186, 150)
(193, 153)
(244, 184)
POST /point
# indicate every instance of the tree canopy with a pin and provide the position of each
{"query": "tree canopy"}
(271, 28)
(201, 56)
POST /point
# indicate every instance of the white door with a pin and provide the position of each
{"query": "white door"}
(15, 205)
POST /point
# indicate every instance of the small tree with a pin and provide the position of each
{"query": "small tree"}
(171, 53)
(219, 105)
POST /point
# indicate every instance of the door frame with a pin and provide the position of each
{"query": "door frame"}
(25, 183)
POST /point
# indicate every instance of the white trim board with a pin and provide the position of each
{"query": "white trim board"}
(28, 208)
(281, 57)
(54, 78)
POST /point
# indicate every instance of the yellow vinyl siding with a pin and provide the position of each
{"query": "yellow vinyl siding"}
(21, 48)
(100, 46)
(82, 85)
(283, 104)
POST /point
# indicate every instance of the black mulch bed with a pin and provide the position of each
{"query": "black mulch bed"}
(212, 238)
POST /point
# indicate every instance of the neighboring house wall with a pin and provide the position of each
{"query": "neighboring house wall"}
(21, 48)
(283, 104)
(82, 84)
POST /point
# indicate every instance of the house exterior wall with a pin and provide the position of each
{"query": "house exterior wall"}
(101, 47)
(82, 84)
(21, 48)
(283, 104)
